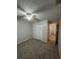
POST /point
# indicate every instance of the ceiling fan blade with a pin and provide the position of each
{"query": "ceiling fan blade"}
(37, 19)
(19, 7)
(20, 13)
(34, 18)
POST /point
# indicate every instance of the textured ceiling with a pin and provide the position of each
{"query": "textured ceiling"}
(44, 9)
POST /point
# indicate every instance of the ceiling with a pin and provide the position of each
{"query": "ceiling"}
(43, 9)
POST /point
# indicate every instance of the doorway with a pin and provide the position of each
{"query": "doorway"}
(52, 30)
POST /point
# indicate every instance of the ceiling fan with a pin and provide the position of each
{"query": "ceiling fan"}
(31, 16)
(23, 14)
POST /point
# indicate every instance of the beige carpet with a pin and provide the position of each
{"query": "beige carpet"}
(36, 49)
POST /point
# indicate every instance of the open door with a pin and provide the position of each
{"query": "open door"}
(52, 30)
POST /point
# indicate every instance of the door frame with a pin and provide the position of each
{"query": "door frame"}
(57, 28)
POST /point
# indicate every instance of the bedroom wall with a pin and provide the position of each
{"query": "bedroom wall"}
(24, 31)
(40, 30)
(45, 30)
(37, 30)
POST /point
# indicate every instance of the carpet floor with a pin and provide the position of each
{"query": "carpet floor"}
(37, 49)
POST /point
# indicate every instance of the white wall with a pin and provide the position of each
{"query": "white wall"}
(40, 30)
(27, 30)
(45, 30)
(24, 31)
(37, 30)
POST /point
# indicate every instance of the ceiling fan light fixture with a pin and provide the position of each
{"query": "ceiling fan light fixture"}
(30, 16)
